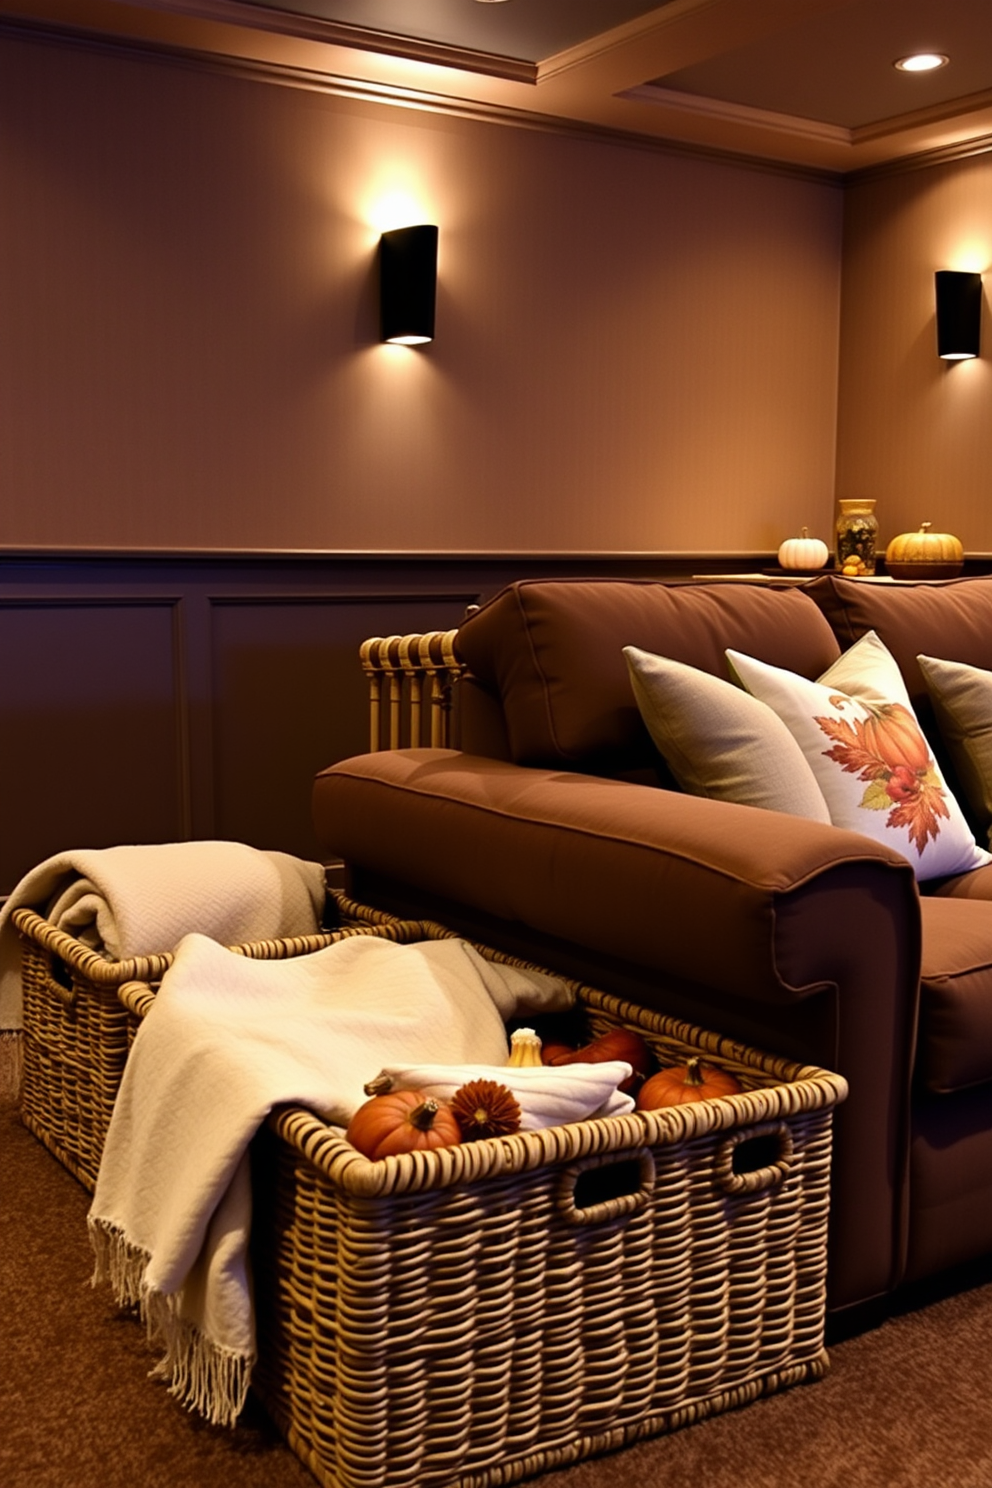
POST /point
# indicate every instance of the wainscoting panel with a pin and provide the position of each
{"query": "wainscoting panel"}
(289, 697)
(91, 749)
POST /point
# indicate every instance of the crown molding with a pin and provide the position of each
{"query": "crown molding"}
(590, 91)
(652, 23)
(339, 33)
(955, 108)
(811, 129)
(923, 160)
(793, 125)
(392, 95)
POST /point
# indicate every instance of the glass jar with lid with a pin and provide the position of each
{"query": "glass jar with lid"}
(857, 529)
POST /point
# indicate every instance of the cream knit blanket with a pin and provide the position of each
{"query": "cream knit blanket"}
(227, 1040)
(136, 901)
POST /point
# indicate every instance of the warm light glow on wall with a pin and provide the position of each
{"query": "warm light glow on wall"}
(397, 208)
(972, 257)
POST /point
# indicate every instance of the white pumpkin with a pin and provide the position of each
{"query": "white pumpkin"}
(803, 552)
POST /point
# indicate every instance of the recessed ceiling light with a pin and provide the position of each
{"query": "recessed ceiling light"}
(922, 62)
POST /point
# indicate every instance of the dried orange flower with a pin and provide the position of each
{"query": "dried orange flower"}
(484, 1108)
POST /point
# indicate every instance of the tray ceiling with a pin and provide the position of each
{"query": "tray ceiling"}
(807, 83)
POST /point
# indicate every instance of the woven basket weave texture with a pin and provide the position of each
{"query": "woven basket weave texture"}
(80, 1014)
(486, 1312)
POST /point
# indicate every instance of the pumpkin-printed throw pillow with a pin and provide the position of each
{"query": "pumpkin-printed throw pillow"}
(861, 738)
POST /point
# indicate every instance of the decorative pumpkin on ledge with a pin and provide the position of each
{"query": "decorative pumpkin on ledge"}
(924, 555)
(804, 554)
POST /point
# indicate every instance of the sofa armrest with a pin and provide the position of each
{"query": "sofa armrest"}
(697, 888)
(801, 939)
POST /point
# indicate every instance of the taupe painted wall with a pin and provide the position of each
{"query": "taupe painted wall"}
(914, 432)
(635, 350)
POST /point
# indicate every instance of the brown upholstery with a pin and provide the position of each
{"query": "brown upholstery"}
(605, 863)
(731, 917)
(950, 1219)
(553, 655)
(951, 619)
(955, 1043)
(797, 937)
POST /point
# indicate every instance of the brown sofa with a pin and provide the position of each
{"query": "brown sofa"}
(556, 832)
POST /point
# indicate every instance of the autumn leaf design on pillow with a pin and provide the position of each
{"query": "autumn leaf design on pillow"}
(888, 751)
(877, 773)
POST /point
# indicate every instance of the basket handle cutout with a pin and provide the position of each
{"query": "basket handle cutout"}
(59, 982)
(755, 1158)
(601, 1188)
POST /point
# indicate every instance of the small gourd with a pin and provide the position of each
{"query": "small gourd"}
(525, 1049)
(678, 1086)
(924, 555)
(402, 1121)
(803, 552)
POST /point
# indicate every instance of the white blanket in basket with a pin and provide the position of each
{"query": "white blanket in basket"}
(227, 1039)
(136, 901)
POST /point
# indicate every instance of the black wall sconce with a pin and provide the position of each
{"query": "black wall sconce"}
(408, 284)
(959, 314)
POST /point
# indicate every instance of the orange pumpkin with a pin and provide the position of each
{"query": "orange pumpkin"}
(402, 1121)
(693, 1081)
(894, 735)
(618, 1043)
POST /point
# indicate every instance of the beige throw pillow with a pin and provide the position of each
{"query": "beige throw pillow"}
(718, 741)
(962, 705)
(859, 733)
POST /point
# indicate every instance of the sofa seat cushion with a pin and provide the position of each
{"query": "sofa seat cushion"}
(551, 651)
(954, 1049)
(974, 885)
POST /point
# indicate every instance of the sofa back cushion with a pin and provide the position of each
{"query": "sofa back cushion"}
(551, 651)
(951, 619)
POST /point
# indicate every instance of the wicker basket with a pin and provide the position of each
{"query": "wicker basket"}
(75, 1040)
(78, 1028)
(487, 1312)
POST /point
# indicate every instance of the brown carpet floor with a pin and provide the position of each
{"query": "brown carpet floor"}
(907, 1404)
